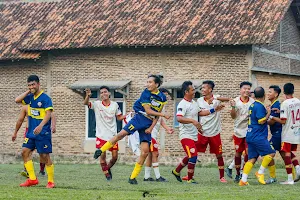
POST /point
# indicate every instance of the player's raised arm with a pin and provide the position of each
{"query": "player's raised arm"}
(233, 113)
(22, 96)
(20, 121)
(88, 94)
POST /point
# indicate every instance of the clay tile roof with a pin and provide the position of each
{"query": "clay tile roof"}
(105, 23)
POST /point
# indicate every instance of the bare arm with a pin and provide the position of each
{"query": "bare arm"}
(271, 122)
(53, 122)
(22, 96)
(149, 130)
(208, 112)
(166, 127)
(121, 117)
(88, 94)
(20, 121)
(149, 111)
(223, 99)
(233, 113)
(264, 120)
(184, 120)
(276, 119)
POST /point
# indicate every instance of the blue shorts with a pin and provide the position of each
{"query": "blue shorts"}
(276, 142)
(259, 148)
(139, 123)
(42, 146)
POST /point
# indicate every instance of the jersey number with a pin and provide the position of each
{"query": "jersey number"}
(297, 117)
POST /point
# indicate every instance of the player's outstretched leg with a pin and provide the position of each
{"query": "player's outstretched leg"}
(110, 144)
(176, 172)
(266, 161)
(247, 169)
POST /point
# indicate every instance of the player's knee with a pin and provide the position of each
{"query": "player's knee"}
(193, 159)
(144, 153)
(272, 155)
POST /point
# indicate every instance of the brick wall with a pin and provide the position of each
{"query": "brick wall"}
(286, 40)
(60, 69)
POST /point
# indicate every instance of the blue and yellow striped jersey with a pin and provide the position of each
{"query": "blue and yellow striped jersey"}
(38, 105)
(155, 100)
(257, 114)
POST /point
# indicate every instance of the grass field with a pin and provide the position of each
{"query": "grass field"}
(88, 182)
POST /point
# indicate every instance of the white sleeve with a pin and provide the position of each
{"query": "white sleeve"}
(283, 111)
(181, 110)
(118, 110)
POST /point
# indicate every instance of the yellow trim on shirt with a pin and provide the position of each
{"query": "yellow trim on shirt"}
(37, 96)
(260, 102)
(49, 108)
(274, 102)
(155, 92)
(262, 119)
(23, 102)
(146, 104)
(41, 111)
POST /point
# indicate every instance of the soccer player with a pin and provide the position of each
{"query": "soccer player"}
(106, 113)
(239, 112)
(257, 138)
(39, 130)
(290, 118)
(19, 123)
(211, 125)
(152, 158)
(187, 116)
(147, 108)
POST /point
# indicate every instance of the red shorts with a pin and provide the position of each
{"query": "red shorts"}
(214, 142)
(189, 147)
(240, 144)
(153, 145)
(100, 143)
(26, 130)
(288, 147)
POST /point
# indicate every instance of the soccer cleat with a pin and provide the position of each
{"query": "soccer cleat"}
(161, 179)
(97, 153)
(297, 175)
(132, 181)
(177, 175)
(29, 183)
(241, 183)
(148, 179)
(237, 178)
(109, 171)
(223, 180)
(107, 176)
(228, 172)
(185, 178)
(260, 178)
(192, 181)
(42, 173)
(287, 183)
(271, 180)
(24, 173)
(50, 185)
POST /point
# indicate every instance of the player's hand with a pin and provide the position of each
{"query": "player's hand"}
(167, 116)
(219, 107)
(88, 92)
(268, 109)
(148, 130)
(37, 130)
(232, 103)
(276, 110)
(53, 128)
(14, 136)
(198, 126)
(170, 130)
(210, 101)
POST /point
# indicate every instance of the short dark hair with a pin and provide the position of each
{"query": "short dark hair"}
(104, 87)
(245, 83)
(185, 86)
(288, 88)
(210, 83)
(157, 78)
(33, 78)
(276, 88)
(259, 92)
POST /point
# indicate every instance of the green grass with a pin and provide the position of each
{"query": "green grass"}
(87, 182)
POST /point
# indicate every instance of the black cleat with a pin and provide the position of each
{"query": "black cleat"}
(228, 172)
(177, 175)
(148, 179)
(161, 179)
(110, 173)
(108, 177)
(97, 153)
(42, 173)
(132, 181)
(237, 178)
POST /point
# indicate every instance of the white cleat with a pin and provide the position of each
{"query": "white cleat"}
(287, 183)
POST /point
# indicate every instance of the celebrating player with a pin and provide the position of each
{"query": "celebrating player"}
(106, 112)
